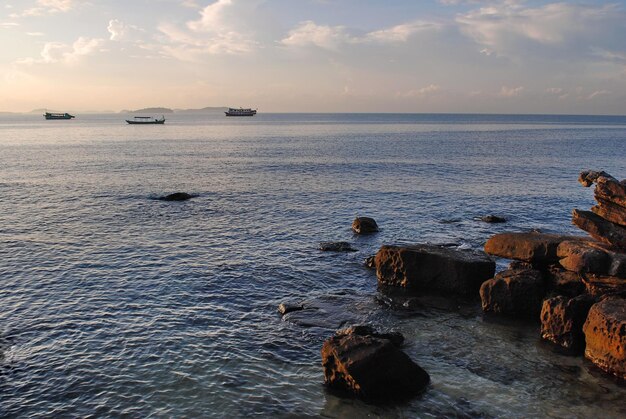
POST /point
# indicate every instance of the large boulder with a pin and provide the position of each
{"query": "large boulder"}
(562, 320)
(514, 292)
(364, 225)
(589, 177)
(605, 336)
(611, 190)
(611, 212)
(562, 282)
(583, 256)
(370, 367)
(536, 248)
(433, 267)
(599, 285)
(600, 229)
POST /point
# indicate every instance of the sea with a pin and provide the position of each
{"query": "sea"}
(116, 304)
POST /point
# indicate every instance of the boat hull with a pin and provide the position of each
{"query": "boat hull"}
(157, 122)
(57, 116)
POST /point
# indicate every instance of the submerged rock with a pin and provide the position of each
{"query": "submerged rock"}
(364, 225)
(177, 196)
(366, 330)
(536, 248)
(432, 267)
(371, 368)
(492, 219)
(600, 229)
(562, 320)
(516, 292)
(336, 247)
(605, 336)
(284, 308)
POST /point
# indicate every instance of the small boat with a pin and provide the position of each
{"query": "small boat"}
(52, 115)
(146, 120)
(240, 112)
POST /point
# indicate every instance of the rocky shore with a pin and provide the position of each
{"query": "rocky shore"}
(573, 287)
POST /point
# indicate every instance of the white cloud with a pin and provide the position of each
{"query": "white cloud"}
(422, 92)
(50, 6)
(7, 25)
(332, 37)
(121, 31)
(554, 90)
(501, 26)
(58, 52)
(506, 91)
(35, 33)
(214, 33)
(598, 93)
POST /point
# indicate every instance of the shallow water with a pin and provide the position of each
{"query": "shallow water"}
(114, 303)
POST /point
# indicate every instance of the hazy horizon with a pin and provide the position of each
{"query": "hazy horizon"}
(445, 56)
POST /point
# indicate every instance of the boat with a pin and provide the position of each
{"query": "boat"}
(146, 120)
(240, 112)
(53, 115)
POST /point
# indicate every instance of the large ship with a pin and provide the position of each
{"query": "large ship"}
(52, 115)
(146, 120)
(240, 112)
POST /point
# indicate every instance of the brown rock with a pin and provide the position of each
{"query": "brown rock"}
(514, 292)
(562, 320)
(371, 368)
(562, 282)
(336, 247)
(605, 335)
(366, 330)
(432, 267)
(537, 248)
(600, 229)
(583, 256)
(599, 286)
(611, 212)
(609, 189)
(589, 177)
(364, 225)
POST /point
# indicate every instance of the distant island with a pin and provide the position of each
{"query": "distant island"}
(149, 110)
(169, 110)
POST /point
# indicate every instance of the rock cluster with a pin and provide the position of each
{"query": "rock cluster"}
(371, 366)
(575, 285)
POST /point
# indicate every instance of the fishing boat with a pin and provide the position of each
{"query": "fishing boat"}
(53, 115)
(240, 112)
(146, 120)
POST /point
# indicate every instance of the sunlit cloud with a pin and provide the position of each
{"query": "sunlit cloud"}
(429, 90)
(121, 31)
(50, 6)
(506, 91)
(58, 52)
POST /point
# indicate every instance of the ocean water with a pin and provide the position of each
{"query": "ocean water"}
(113, 303)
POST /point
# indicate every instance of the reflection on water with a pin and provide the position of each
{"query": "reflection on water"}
(114, 303)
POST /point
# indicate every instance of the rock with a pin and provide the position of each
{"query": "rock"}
(589, 177)
(371, 368)
(364, 225)
(562, 320)
(610, 212)
(583, 256)
(536, 248)
(600, 229)
(336, 247)
(598, 286)
(608, 189)
(514, 292)
(370, 262)
(432, 267)
(605, 336)
(562, 282)
(177, 196)
(492, 219)
(284, 308)
(366, 330)
(327, 312)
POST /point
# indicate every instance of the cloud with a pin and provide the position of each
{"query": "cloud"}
(598, 93)
(511, 91)
(58, 52)
(35, 33)
(423, 92)
(50, 6)
(505, 26)
(215, 32)
(121, 31)
(7, 25)
(332, 37)
(554, 90)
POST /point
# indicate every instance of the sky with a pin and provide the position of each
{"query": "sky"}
(473, 56)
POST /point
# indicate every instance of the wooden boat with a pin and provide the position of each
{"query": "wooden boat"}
(53, 115)
(240, 112)
(146, 120)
